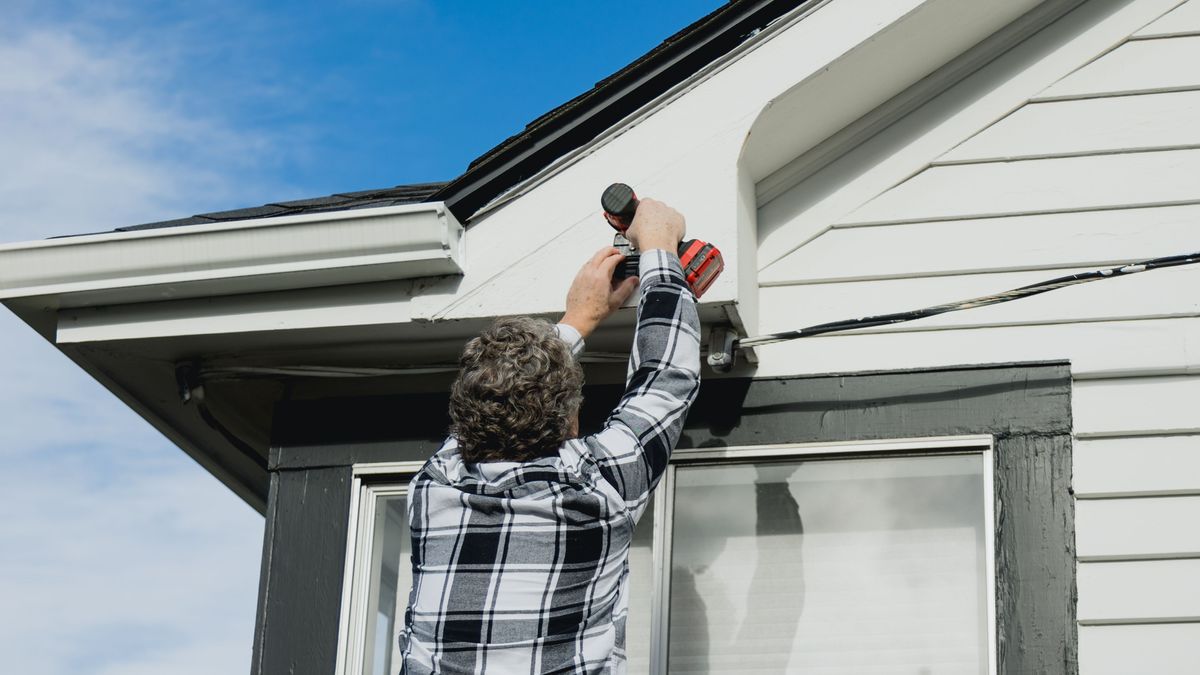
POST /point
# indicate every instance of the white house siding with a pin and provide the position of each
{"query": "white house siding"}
(1099, 167)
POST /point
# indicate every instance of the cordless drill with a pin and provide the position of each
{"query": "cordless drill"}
(701, 261)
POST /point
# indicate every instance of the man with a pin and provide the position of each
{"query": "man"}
(521, 529)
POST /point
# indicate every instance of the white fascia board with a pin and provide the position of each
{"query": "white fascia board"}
(247, 256)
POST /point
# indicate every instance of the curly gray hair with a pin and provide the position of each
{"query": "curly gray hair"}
(517, 393)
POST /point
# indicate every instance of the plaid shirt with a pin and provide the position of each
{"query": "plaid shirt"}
(522, 567)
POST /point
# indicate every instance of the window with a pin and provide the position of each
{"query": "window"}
(861, 558)
(831, 558)
(378, 571)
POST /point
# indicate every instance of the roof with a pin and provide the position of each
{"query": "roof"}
(343, 201)
(556, 133)
(583, 118)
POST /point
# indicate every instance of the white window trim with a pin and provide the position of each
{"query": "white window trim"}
(373, 480)
(369, 482)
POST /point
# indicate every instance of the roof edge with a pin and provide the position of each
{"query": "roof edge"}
(584, 118)
(245, 256)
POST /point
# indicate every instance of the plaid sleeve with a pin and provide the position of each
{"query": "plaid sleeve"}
(568, 334)
(664, 377)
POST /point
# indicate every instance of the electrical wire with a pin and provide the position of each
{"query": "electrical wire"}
(234, 372)
(326, 371)
(983, 301)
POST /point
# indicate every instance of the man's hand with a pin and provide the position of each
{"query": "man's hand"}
(594, 295)
(656, 225)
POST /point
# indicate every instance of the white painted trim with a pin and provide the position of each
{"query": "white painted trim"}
(247, 256)
(923, 445)
(989, 561)
(348, 579)
(660, 604)
(398, 469)
(364, 491)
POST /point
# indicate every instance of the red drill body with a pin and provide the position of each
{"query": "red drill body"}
(702, 262)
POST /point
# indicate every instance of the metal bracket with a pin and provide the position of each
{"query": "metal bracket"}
(721, 355)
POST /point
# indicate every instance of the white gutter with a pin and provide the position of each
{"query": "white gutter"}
(246, 256)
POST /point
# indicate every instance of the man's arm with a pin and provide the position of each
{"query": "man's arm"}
(664, 366)
(664, 377)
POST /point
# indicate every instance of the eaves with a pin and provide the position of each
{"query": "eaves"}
(246, 256)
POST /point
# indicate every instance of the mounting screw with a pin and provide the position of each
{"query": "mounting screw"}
(721, 356)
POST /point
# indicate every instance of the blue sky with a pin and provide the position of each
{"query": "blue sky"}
(118, 554)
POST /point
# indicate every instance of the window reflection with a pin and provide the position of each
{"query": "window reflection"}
(838, 566)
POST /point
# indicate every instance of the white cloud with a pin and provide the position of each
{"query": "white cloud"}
(118, 554)
(91, 142)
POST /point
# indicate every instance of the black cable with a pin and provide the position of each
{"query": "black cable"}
(984, 301)
(191, 390)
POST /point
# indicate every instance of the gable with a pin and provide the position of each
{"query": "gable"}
(1073, 151)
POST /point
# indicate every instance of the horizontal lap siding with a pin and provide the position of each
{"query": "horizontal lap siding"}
(1095, 349)
(1099, 168)
(1111, 124)
(1140, 591)
(1146, 528)
(1153, 294)
(1060, 184)
(1093, 238)
(1182, 20)
(1136, 66)
(1164, 649)
(1137, 406)
(1137, 466)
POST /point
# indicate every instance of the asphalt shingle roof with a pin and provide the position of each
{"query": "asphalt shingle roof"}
(343, 201)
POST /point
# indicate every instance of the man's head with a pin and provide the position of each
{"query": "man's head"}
(517, 395)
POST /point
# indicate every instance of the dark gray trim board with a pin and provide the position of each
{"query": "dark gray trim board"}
(304, 553)
(1024, 407)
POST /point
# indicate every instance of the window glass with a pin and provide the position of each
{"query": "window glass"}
(391, 579)
(833, 566)
(641, 564)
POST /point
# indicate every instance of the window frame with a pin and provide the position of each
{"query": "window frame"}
(368, 483)
(748, 454)
(373, 480)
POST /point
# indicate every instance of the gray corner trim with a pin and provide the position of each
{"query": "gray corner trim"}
(304, 555)
(1036, 592)
(264, 573)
